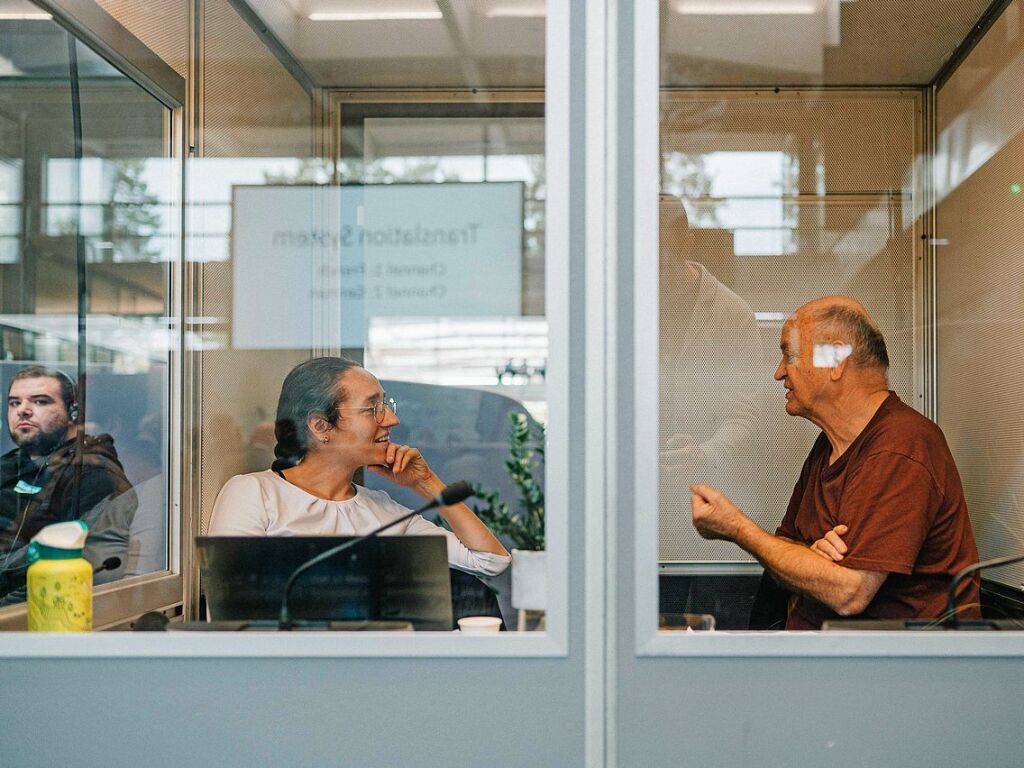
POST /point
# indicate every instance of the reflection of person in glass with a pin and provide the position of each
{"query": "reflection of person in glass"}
(39, 480)
(144, 464)
(332, 419)
(710, 356)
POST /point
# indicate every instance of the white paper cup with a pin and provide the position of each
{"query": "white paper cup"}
(480, 625)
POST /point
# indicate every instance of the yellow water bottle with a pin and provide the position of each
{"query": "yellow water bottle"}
(59, 580)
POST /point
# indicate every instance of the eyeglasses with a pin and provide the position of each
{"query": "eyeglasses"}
(377, 408)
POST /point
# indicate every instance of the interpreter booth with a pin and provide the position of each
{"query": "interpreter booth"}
(557, 244)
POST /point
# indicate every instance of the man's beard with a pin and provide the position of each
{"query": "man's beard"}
(42, 443)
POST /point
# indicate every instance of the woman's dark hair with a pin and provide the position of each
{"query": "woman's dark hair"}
(310, 388)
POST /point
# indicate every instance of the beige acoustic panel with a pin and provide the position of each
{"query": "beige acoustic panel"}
(988, 76)
(253, 110)
(837, 42)
(893, 42)
(722, 417)
(162, 26)
(239, 397)
(980, 290)
(252, 106)
(240, 391)
(980, 109)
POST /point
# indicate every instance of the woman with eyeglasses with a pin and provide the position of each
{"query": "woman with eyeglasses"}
(333, 418)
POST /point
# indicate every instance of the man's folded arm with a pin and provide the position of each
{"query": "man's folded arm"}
(847, 591)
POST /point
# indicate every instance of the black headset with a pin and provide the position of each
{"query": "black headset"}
(68, 383)
(73, 408)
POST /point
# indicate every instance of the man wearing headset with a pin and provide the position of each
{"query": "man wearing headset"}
(44, 480)
(877, 525)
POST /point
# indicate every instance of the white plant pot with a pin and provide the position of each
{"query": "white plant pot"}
(529, 580)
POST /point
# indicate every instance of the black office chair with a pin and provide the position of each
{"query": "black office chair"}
(771, 605)
(471, 597)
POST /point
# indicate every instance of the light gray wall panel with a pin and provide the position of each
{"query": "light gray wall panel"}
(820, 712)
(247, 712)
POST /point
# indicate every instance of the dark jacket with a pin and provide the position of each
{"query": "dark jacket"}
(37, 493)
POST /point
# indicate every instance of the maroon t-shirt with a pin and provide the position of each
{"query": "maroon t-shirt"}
(897, 489)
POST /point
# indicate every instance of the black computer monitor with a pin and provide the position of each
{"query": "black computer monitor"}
(384, 579)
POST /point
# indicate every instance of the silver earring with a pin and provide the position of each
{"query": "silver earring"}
(324, 439)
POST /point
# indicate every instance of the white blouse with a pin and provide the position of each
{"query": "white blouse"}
(265, 504)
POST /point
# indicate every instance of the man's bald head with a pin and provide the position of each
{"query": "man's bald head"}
(840, 317)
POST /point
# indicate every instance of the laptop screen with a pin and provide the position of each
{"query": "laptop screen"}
(388, 578)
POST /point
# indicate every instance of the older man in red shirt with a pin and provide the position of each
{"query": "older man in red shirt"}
(877, 525)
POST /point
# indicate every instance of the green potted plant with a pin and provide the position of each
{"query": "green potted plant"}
(525, 526)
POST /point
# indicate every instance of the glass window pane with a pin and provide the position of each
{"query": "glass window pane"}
(801, 157)
(770, 197)
(90, 239)
(411, 242)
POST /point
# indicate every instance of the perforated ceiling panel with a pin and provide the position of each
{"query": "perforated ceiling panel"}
(833, 42)
(789, 197)
(980, 289)
(457, 44)
(162, 26)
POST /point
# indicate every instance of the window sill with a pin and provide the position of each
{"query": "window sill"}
(24, 645)
(114, 603)
(968, 644)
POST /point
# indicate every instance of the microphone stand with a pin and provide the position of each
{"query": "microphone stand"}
(455, 493)
(952, 620)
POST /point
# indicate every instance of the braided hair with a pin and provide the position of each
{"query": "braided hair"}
(310, 388)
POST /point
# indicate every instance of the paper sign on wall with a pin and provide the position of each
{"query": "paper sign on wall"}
(311, 264)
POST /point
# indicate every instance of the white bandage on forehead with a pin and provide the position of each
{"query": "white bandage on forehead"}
(831, 355)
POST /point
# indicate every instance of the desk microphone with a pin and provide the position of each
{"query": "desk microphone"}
(952, 620)
(455, 493)
(110, 564)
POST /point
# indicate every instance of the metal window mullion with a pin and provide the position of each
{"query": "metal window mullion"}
(599, 481)
(93, 26)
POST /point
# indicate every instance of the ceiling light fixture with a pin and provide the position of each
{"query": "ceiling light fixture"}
(376, 16)
(516, 12)
(747, 7)
(24, 16)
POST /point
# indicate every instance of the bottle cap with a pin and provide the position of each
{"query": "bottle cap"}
(58, 541)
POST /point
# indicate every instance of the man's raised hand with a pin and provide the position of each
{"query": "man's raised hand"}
(714, 514)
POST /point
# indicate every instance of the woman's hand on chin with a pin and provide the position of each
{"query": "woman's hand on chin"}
(407, 467)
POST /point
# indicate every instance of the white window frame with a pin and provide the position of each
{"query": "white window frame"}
(648, 640)
(119, 602)
(560, 462)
